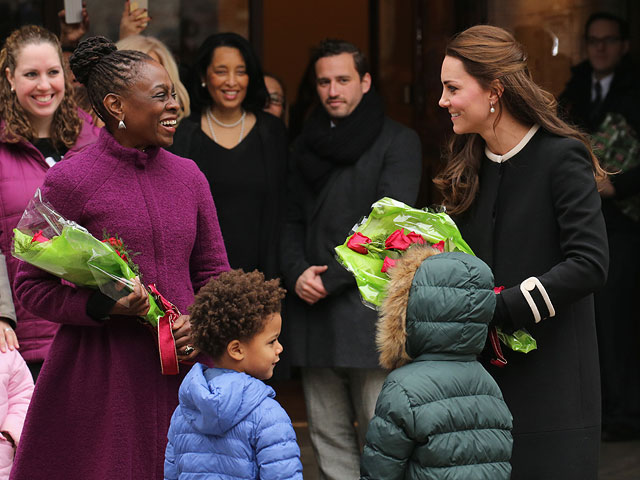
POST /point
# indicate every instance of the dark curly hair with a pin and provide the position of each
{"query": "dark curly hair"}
(102, 68)
(234, 306)
(66, 124)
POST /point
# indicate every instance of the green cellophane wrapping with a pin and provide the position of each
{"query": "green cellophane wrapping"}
(518, 341)
(78, 257)
(388, 215)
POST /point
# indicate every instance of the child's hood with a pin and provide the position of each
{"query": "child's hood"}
(437, 303)
(216, 400)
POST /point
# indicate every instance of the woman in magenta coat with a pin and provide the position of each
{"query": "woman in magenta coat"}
(101, 409)
(39, 124)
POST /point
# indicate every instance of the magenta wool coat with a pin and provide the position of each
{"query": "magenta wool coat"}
(101, 408)
(22, 171)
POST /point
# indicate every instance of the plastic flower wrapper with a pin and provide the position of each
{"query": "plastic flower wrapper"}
(47, 240)
(617, 147)
(377, 241)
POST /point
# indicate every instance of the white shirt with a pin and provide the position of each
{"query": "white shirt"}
(605, 83)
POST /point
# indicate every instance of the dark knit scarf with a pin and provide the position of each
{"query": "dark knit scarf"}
(325, 148)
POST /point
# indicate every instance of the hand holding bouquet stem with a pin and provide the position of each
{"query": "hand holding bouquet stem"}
(136, 304)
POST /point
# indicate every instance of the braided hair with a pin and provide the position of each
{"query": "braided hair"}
(65, 125)
(102, 68)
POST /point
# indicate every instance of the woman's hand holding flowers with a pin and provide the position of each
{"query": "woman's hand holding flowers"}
(135, 304)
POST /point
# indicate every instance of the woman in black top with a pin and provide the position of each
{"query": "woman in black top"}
(521, 184)
(241, 150)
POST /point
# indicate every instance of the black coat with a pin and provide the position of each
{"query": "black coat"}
(538, 215)
(339, 331)
(189, 142)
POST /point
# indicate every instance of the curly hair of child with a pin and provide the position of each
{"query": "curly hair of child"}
(233, 306)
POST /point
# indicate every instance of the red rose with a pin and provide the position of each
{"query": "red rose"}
(439, 246)
(497, 290)
(415, 238)
(357, 241)
(39, 237)
(387, 264)
(397, 240)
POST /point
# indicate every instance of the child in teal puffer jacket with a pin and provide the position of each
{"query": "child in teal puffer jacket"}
(228, 424)
(440, 415)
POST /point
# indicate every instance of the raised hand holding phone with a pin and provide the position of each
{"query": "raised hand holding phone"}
(73, 11)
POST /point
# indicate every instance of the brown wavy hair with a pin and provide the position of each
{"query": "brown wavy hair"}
(490, 53)
(233, 306)
(66, 125)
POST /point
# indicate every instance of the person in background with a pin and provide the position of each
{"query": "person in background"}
(439, 414)
(161, 54)
(241, 150)
(101, 389)
(40, 124)
(228, 424)
(521, 185)
(606, 83)
(349, 156)
(276, 102)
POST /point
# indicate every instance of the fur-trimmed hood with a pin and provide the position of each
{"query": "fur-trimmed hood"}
(437, 303)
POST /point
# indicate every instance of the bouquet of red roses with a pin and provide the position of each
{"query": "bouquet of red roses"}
(377, 241)
(47, 240)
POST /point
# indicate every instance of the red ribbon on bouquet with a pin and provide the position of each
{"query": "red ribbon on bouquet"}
(166, 342)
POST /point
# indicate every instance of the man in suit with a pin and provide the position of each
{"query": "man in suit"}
(605, 83)
(348, 156)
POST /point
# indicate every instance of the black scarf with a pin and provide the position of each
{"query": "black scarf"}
(325, 147)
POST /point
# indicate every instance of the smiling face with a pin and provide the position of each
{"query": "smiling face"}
(262, 351)
(227, 79)
(466, 100)
(150, 109)
(339, 85)
(38, 82)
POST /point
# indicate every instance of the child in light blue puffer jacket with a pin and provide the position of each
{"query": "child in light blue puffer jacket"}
(228, 424)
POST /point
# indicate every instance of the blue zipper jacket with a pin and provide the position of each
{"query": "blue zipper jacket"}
(229, 426)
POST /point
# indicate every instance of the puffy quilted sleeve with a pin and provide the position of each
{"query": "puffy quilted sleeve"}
(19, 392)
(389, 442)
(277, 450)
(170, 470)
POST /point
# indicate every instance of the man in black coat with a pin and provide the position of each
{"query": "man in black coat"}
(607, 83)
(348, 156)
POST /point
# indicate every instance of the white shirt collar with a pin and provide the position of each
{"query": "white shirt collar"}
(511, 153)
(605, 83)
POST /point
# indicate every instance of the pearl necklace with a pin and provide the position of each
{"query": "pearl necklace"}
(225, 125)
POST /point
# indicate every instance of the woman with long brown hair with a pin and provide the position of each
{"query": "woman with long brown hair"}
(521, 185)
(40, 124)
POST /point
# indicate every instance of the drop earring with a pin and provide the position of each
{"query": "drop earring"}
(121, 125)
(203, 85)
(492, 109)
